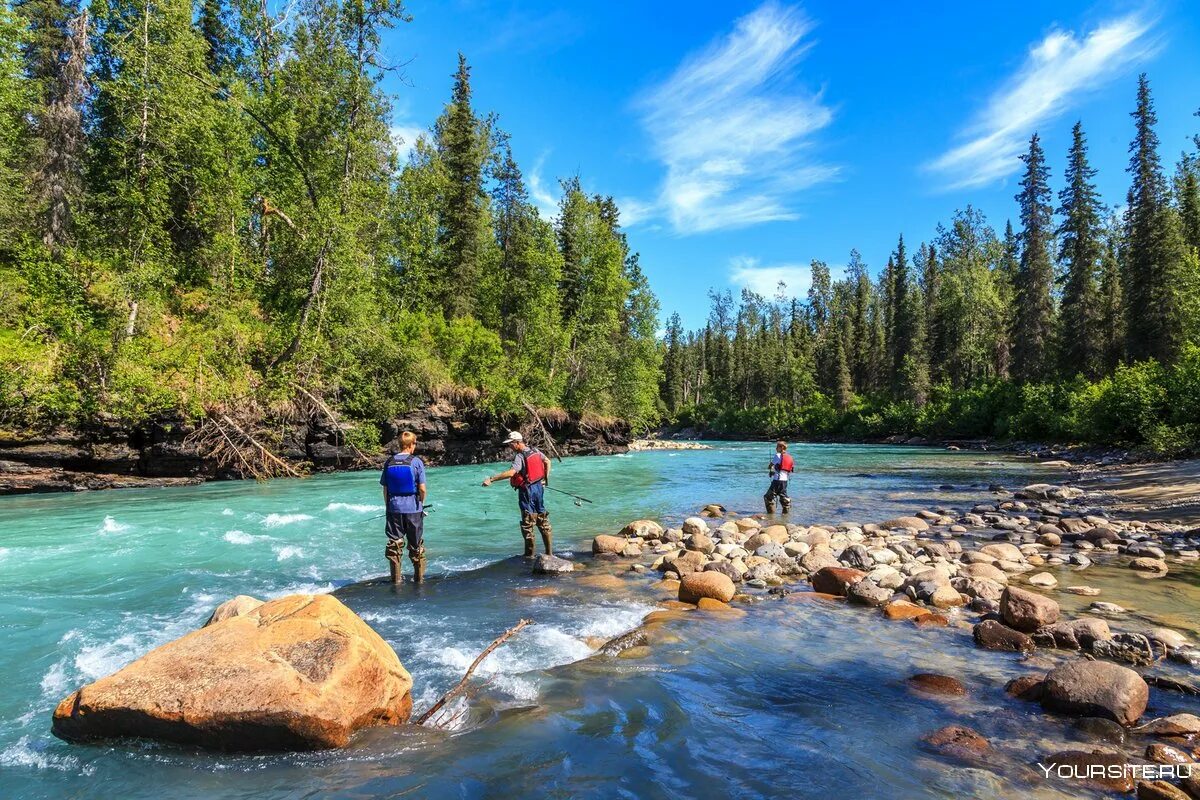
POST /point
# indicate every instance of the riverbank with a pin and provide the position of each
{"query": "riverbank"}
(171, 450)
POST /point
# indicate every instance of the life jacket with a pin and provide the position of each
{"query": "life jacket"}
(786, 463)
(533, 469)
(399, 476)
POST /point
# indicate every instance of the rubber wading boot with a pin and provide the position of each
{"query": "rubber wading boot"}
(418, 562)
(527, 523)
(769, 502)
(548, 541)
(394, 554)
(786, 503)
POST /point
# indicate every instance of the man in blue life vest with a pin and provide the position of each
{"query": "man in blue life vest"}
(780, 470)
(529, 475)
(403, 482)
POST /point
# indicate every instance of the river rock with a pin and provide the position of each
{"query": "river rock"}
(643, 529)
(1027, 611)
(686, 562)
(1174, 725)
(547, 564)
(706, 584)
(835, 580)
(916, 523)
(1132, 647)
(1027, 687)
(1161, 753)
(608, 544)
(1083, 591)
(302, 672)
(957, 741)
(992, 635)
(235, 607)
(817, 559)
(1043, 579)
(1076, 634)
(1096, 688)
(868, 593)
(987, 571)
(694, 525)
(1003, 551)
(1160, 790)
(902, 609)
(933, 683)
(1149, 566)
(726, 568)
(701, 542)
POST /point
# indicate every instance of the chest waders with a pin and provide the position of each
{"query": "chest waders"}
(401, 481)
(530, 486)
(779, 488)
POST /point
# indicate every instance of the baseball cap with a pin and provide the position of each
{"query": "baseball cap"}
(514, 436)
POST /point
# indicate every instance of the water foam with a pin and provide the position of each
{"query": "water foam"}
(110, 525)
(358, 508)
(279, 520)
(21, 754)
(241, 537)
(288, 551)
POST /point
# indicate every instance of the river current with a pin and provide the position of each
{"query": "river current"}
(796, 698)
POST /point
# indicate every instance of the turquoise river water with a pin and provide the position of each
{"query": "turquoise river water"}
(803, 699)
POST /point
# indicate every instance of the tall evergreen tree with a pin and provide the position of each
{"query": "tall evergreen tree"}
(224, 50)
(1033, 321)
(1080, 249)
(904, 325)
(1153, 317)
(462, 141)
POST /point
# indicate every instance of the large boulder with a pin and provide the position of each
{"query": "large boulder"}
(604, 544)
(694, 525)
(236, 607)
(1096, 689)
(1075, 634)
(643, 529)
(836, 580)
(714, 585)
(547, 564)
(992, 635)
(1027, 611)
(299, 673)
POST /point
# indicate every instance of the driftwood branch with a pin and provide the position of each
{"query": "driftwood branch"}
(461, 686)
(223, 440)
(545, 431)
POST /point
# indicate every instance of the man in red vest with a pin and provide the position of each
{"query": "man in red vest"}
(529, 475)
(780, 470)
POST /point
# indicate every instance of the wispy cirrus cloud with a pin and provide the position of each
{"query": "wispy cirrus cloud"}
(750, 273)
(734, 130)
(1056, 72)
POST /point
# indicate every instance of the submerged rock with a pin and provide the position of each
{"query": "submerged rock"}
(1096, 688)
(299, 673)
(1074, 766)
(836, 580)
(957, 741)
(933, 683)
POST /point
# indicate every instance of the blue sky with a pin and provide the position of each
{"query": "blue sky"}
(742, 140)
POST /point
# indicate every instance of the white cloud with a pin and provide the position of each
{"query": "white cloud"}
(405, 138)
(1056, 71)
(541, 194)
(748, 273)
(732, 129)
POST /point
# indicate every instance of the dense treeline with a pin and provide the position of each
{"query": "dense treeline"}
(1081, 325)
(203, 206)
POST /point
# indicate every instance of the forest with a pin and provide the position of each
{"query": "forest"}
(1082, 324)
(204, 209)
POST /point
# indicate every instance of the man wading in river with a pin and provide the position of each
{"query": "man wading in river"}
(780, 470)
(403, 482)
(529, 474)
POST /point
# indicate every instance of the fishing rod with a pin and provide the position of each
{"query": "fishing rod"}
(576, 497)
(427, 510)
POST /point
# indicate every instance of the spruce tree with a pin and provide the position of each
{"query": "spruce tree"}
(903, 322)
(856, 273)
(462, 143)
(1111, 303)
(1188, 193)
(1154, 257)
(224, 51)
(1033, 320)
(1080, 334)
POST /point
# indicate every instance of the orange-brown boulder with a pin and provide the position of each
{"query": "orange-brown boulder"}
(299, 673)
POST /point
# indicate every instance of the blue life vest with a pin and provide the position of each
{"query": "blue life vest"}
(400, 476)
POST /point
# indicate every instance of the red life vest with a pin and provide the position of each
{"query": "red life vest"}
(786, 464)
(533, 469)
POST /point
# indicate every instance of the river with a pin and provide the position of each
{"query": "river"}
(801, 698)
